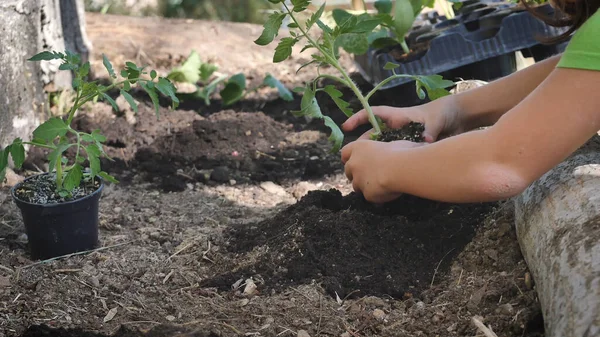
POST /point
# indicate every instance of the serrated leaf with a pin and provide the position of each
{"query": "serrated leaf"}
(130, 100)
(353, 43)
(17, 152)
(206, 71)
(315, 17)
(133, 72)
(52, 128)
(340, 16)
(93, 154)
(189, 71)
(124, 73)
(126, 86)
(300, 5)
(284, 49)
(84, 70)
(336, 96)
(73, 178)
(309, 106)
(337, 136)
(2, 175)
(284, 93)
(153, 96)
(108, 177)
(153, 74)
(234, 89)
(111, 101)
(390, 66)
(67, 66)
(270, 29)
(325, 28)
(308, 46)
(383, 42)
(166, 88)
(47, 56)
(383, 6)
(365, 26)
(435, 85)
(98, 137)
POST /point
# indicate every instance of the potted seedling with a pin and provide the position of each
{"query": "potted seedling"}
(325, 47)
(60, 207)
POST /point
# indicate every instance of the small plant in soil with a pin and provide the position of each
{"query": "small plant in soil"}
(352, 34)
(233, 88)
(75, 177)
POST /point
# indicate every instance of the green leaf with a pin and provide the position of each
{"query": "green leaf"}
(2, 175)
(284, 93)
(435, 85)
(336, 96)
(234, 89)
(292, 25)
(47, 56)
(206, 71)
(67, 66)
(153, 96)
(208, 90)
(153, 74)
(108, 177)
(111, 101)
(189, 71)
(52, 128)
(73, 178)
(390, 66)
(130, 100)
(300, 5)
(340, 16)
(325, 28)
(271, 29)
(93, 154)
(315, 17)
(4, 158)
(383, 42)
(168, 89)
(132, 70)
(56, 155)
(404, 18)
(336, 137)
(124, 73)
(84, 70)
(17, 152)
(383, 6)
(365, 26)
(357, 44)
(126, 86)
(284, 49)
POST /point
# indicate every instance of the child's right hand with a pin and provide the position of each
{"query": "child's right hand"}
(440, 117)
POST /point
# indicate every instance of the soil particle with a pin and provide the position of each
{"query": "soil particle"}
(412, 132)
(41, 190)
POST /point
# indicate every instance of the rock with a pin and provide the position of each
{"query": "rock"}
(379, 314)
(250, 289)
(302, 188)
(12, 178)
(302, 333)
(273, 188)
(95, 282)
(220, 174)
(503, 229)
(4, 281)
(419, 306)
(505, 309)
(170, 318)
(374, 301)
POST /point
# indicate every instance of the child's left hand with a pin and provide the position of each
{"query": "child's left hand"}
(366, 165)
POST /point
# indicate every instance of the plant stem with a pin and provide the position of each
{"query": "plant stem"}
(384, 82)
(404, 46)
(346, 78)
(41, 145)
(59, 172)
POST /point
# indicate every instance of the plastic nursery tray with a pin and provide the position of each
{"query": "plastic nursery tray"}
(460, 45)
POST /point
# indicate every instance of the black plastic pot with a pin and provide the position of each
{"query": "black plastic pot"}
(60, 228)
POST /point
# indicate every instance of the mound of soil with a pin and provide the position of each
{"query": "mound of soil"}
(352, 247)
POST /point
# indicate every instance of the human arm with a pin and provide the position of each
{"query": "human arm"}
(496, 163)
(472, 109)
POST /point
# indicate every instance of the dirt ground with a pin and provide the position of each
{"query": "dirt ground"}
(239, 221)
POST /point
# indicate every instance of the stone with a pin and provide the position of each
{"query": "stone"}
(273, 188)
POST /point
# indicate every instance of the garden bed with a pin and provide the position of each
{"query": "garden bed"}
(211, 197)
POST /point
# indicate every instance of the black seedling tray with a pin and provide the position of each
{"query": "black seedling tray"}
(485, 32)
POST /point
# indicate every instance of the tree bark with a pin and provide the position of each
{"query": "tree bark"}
(28, 27)
(558, 227)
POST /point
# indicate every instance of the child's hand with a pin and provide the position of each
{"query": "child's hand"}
(440, 118)
(365, 165)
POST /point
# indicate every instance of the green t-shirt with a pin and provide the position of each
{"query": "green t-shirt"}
(583, 51)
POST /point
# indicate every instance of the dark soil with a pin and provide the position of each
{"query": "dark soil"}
(355, 248)
(160, 331)
(412, 132)
(41, 189)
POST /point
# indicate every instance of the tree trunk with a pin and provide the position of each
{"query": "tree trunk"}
(28, 27)
(558, 227)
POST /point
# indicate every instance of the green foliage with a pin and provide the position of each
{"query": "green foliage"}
(194, 71)
(353, 33)
(58, 135)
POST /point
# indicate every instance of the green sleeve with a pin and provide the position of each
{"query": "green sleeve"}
(583, 51)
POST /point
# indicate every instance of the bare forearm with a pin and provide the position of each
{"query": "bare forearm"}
(483, 106)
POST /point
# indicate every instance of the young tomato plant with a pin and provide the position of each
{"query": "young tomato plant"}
(353, 30)
(58, 134)
(193, 70)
